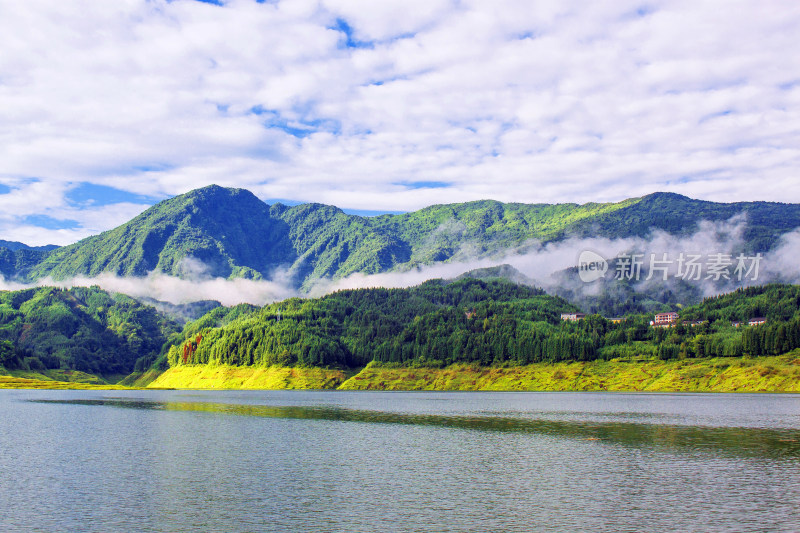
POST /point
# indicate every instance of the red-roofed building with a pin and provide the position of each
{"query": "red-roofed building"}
(665, 319)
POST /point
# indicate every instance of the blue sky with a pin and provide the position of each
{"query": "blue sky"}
(389, 106)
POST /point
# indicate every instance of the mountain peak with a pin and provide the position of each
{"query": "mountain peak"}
(217, 192)
(504, 271)
(662, 195)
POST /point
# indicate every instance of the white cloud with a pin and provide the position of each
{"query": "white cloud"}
(48, 199)
(173, 289)
(29, 198)
(511, 100)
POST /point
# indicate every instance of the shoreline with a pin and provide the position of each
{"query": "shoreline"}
(763, 374)
(721, 374)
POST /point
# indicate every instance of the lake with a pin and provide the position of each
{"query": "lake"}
(394, 461)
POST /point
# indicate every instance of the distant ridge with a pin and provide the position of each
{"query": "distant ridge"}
(225, 232)
(14, 246)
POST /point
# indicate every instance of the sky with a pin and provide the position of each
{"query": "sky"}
(108, 107)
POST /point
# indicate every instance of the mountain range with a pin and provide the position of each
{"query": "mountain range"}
(231, 233)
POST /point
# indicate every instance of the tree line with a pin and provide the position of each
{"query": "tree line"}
(487, 322)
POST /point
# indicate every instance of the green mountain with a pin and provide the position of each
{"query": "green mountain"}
(440, 320)
(14, 262)
(488, 321)
(15, 245)
(16, 257)
(229, 230)
(231, 233)
(483, 321)
(84, 329)
(677, 214)
(504, 272)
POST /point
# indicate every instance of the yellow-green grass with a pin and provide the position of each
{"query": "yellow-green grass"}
(140, 379)
(729, 374)
(764, 374)
(69, 376)
(14, 382)
(53, 379)
(242, 377)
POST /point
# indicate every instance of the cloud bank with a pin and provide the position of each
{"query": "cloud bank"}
(173, 289)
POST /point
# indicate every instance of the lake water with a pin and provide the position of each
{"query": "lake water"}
(389, 461)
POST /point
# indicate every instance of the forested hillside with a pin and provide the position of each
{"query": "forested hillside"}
(678, 214)
(779, 304)
(15, 245)
(15, 261)
(488, 322)
(230, 233)
(351, 328)
(84, 329)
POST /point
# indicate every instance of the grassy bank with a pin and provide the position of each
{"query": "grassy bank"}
(728, 374)
(140, 380)
(52, 379)
(765, 374)
(239, 377)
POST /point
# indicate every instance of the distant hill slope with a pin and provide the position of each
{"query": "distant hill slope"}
(678, 214)
(13, 263)
(231, 233)
(14, 246)
(84, 329)
(16, 257)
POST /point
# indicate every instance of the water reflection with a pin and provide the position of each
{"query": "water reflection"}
(737, 441)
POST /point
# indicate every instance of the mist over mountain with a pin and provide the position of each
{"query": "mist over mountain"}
(216, 232)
